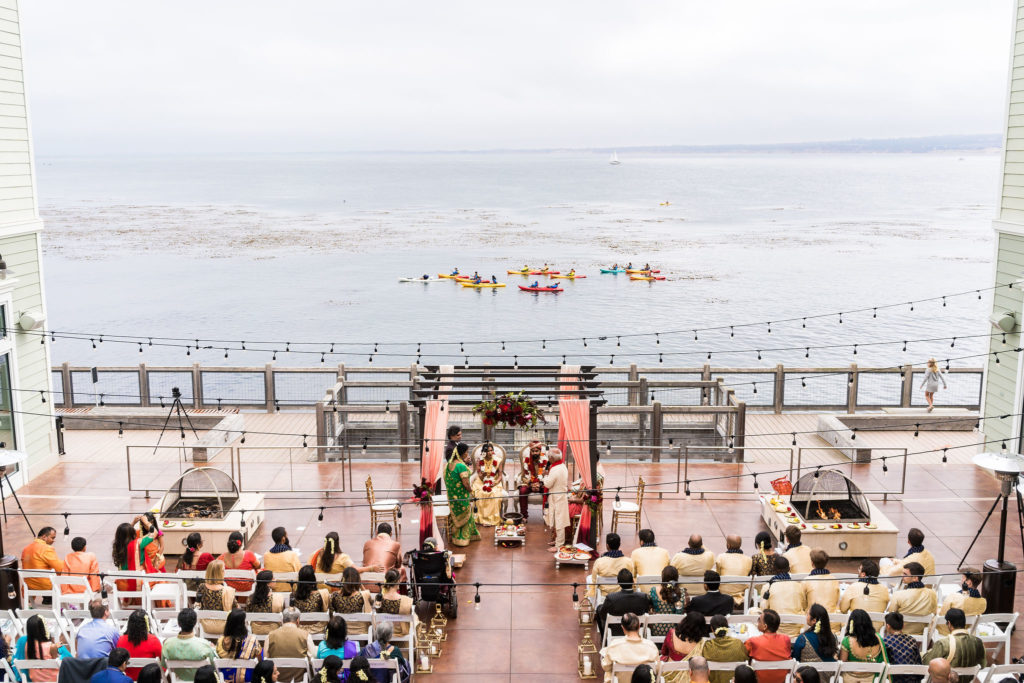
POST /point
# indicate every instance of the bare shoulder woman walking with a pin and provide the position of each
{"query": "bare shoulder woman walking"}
(932, 377)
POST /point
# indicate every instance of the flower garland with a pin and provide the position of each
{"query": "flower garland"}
(510, 410)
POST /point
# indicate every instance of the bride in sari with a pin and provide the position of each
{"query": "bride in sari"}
(456, 480)
(488, 486)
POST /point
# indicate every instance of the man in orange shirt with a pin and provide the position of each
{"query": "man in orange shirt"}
(771, 646)
(79, 562)
(39, 554)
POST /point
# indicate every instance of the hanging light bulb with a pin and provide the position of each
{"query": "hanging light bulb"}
(42, 396)
(543, 344)
(853, 434)
(755, 482)
(794, 438)
(769, 327)
(755, 387)
(911, 306)
(709, 355)
(140, 347)
(945, 460)
(952, 343)
(515, 363)
(503, 346)
(120, 430)
(323, 357)
(304, 441)
(618, 341)
(695, 335)
(874, 312)
(241, 520)
(617, 490)
(904, 344)
(584, 342)
(807, 352)
(465, 363)
(364, 444)
(732, 332)
(687, 487)
(917, 429)
(476, 598)
(67, 529)
(840, 318)
(849, 379)
(817, 472)
(609, 447)
(885, 468)
(611, 359)
(387, 406)
(943, 302)
(320, 517)
(575, 597)
(1003, 447)
(657, 338)
(803, 382)
(855, 349)
(759, 354)
(661, 358)
(93, 343)
(243, 437)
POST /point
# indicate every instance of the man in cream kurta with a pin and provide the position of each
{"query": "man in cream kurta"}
(914, 599)
(915, 553)
(557, 483)
(609, 565)
(785, 596)
(733, 562)
(649, 559)
(797, 553)
(819, 587)
(968, 600)
(694, 560)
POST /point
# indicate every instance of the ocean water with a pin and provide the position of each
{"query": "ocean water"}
(310, 248)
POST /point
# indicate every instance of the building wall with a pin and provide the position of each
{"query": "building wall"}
(1001, 379)
(20, 235)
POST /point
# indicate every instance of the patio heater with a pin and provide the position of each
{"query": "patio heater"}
(1000, 577)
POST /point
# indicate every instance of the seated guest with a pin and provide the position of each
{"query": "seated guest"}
(632, 650)
(264, 672)
(213, 595)
(264, 601)
(818, 643)
(819, 588)
(733, 563)
(39, 554)
(763, 561)
(98, 636)
(642, 674)
(694, 560)
(648, 559)
(193, 559)
(712, 602)
(383, 552)
(700, 672)
(352, 599)
(308, 598)
(81, 563)
(381, 648)
(967, 650)
(968, 599)
(359, 669)
(289, 642)
(722, 647)
(37, 644)
(915, 553)
(797, 553)
(900, 648)
(281, 558)
(867, 594)
(206, 674)
(237, 558)
(336, 642)
(685, 641)
(861, 644)
(913, 598)
(622, 601)
(237, 643)
(666, 599)
(186, 647)
(784, 596)
(940, 671)
(390, 601)
(331, 671)
(770, 646)
(138, 642)
(117, 662)
(151, 673)
(744, 674)
(609, 565)
(329, 559)
(806, 674)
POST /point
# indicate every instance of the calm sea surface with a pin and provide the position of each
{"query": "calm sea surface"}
(295, 248)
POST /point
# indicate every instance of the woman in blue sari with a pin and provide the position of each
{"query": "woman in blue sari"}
(818, 643)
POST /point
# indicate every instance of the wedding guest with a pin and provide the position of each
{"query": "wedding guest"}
(900, 648)
(382, 648)
(818, 587)
(81, 563)
(383, 552)
(666, 599)
(622, 601)
(186, 646)
(631, 650)
(818, 643)
(762, 563)
(713, 601)
(264, 601)
(784, 596)
(685, 641)
(915, 553)
(281, 558)
(189, 561)
(649, 559)
(867, 594)
(39, 554)
(967, 651)
(290, 642)
(351, 599)
(723, 647)
(237, 558)
(861, 644)
(694, 560)
(770, 646)
(237, 643)
(798, 554)
(138, 641)
(968, 599)
(609, 565)
(733, 563)
(98, 636)
(914, 598)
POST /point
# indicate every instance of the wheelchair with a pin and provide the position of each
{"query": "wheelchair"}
(431, 581)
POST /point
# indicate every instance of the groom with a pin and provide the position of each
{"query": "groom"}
(557, 483)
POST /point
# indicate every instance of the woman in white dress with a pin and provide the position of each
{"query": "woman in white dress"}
(932, 378)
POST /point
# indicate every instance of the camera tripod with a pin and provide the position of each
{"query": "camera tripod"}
(1008, 487)
(177, 409)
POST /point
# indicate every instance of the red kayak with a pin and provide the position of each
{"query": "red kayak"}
(541, 289)
(544, 272)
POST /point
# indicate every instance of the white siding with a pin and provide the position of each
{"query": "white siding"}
(1001, 377)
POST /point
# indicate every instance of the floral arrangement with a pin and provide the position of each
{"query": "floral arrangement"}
(423, 493)
(593, 500)
(510, 410)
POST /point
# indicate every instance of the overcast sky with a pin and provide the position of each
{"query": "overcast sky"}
(108, 76)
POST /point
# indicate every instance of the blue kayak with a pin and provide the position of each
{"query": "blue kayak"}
(610, 270)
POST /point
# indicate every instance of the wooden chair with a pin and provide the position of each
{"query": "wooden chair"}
(628, 511)
(381, 510)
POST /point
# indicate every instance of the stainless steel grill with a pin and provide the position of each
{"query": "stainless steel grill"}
(200, 493)
(829, 495)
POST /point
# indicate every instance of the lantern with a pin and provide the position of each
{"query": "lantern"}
(423, 665)
(587, 658)
(437, 625)
(586, 616)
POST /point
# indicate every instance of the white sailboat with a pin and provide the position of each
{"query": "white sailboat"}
(614, 161)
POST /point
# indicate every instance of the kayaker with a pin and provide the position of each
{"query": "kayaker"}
(553, 286)
(476, 275)
(535, 284)
(526, 268)
(455, 272)
(426, 277)
(629, 266)
(572, 272)
(494, 279)
(647, 267)
(476, 279)
(615, 266)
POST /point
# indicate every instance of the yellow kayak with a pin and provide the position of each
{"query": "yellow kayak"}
(451, 277)
(567, 277)
(483, 284)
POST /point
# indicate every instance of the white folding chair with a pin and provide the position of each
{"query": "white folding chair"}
(971, 671)
(139, 662)
(53, 620)
(289, 578)
(626, 670)
(165, 622)
(126, 599)
(190, 576)
(227, 664)
(927, 622)
(828, 671)
(907, 670)
(28, 664)
(387, 664)
(28, 595)
(864, 668)
(741, 581)
(295, 663)
(988, 630)
(649, 620)
(359, 618)
(155, 591)
(264, 618)
(176, 665)
(213, 614)
(998, 672)
(78, 600)
(609, 621)
(786, 665)
(409, 638)
(371, 578)
(602, 581)
(307, 618)
(798, 619)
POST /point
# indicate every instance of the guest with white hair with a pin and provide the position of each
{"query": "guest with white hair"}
(557, 483)
(382, 648)
(290, 641)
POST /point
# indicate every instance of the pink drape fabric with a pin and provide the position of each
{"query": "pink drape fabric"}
(574, 437)
(432, 457)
